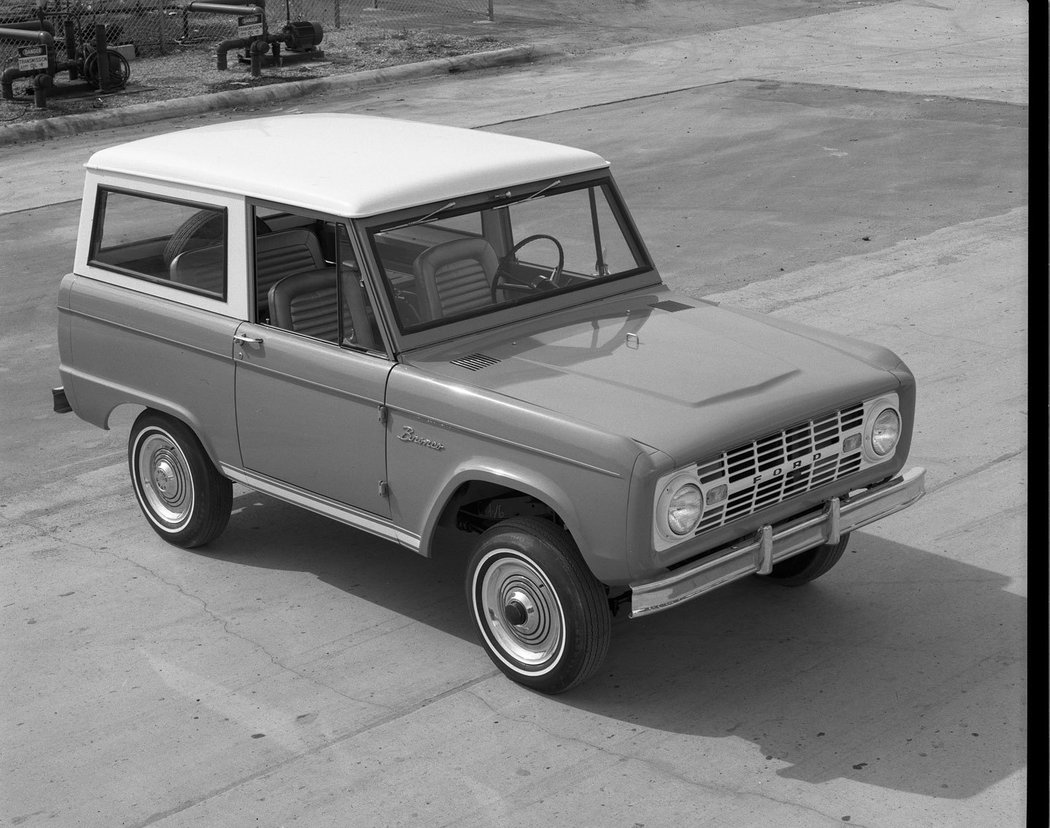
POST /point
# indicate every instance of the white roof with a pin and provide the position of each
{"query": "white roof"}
(346, 165)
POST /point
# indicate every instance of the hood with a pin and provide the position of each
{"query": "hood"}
(674, 373)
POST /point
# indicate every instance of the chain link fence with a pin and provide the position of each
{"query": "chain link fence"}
(156, 27)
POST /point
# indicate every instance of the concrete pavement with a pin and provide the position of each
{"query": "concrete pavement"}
(67, 125)
(301, 673)
(964, 49)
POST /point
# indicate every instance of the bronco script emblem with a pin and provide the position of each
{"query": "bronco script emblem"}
(408, 435)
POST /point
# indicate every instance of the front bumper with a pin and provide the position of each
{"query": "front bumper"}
(757, 553)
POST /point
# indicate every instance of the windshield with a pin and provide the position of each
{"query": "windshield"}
(454, 261)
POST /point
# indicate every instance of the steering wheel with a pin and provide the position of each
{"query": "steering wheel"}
(540, 282)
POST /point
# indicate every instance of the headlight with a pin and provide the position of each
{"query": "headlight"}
(885, 432)
(883, 426)
(678, 508)
(684, 508)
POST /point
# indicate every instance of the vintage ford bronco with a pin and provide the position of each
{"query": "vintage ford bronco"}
(423, 331)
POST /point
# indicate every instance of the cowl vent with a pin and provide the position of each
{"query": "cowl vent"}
(670, 306)
(475, 362)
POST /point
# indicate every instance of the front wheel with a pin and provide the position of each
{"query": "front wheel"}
(809, 565)
(542, 616)
(182, 495)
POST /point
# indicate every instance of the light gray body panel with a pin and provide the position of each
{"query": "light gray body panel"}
(443, 435)
(124, 347)
(683, 376)
(308, 414)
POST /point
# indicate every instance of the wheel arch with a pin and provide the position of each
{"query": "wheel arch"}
(132, 407)
(467, 485)
(181, 493)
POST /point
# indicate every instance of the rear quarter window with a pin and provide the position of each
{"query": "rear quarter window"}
(179, 244)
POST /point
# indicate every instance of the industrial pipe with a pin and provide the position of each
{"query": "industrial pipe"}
(32, 25)
(40, 88)
(42, 84)
(225, 46)
(15, 32)
(257, 49)
(201, 7)
(256, 46)
(71, 49)
(9, 75)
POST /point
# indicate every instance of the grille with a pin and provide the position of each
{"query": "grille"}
(769, 471)
(475, 362)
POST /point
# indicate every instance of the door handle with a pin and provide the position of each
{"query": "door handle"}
(247, 340)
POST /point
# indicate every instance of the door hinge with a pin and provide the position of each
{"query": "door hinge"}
(382, 414)
(384, 489)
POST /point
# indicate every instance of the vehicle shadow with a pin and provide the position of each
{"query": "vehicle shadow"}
(270, 534)
(900, 668)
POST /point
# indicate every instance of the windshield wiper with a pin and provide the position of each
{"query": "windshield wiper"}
(529, 197)
(423, 220)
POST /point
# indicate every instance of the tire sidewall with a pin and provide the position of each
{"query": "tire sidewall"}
(809, 565)
(210, 493)
(485, 561)
(580, 600)
(140, 435)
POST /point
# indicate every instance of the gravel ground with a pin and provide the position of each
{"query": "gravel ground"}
(192, 70)
(572, 26)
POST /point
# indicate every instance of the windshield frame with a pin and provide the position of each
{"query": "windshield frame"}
(407, 338)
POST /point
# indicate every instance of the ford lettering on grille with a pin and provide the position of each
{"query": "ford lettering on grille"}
(770, 470)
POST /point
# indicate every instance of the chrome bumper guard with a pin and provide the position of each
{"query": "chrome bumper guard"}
(757, 553)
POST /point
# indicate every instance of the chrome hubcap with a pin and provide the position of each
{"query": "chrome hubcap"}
(165, 479)
(521, 611)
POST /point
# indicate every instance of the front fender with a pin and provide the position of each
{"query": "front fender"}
(441, 435)
(594, 511)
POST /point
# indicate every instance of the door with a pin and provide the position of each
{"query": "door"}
(308, 414)
(311, 371)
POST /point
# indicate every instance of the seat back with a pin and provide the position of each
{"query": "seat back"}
(281, 254)
(202, 268)
(277, 255)
(456, 276)
(307, 303)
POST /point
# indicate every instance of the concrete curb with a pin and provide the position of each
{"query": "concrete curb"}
(68, 125)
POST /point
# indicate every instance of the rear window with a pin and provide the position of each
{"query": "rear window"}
(179, 244)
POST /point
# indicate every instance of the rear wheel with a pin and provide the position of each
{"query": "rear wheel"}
(181, 493)
(542, 616)
(809, 565)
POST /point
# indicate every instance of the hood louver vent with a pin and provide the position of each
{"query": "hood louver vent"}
(670, 306)
(475, 362)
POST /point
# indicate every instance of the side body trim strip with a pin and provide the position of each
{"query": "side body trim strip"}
(364, 521)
